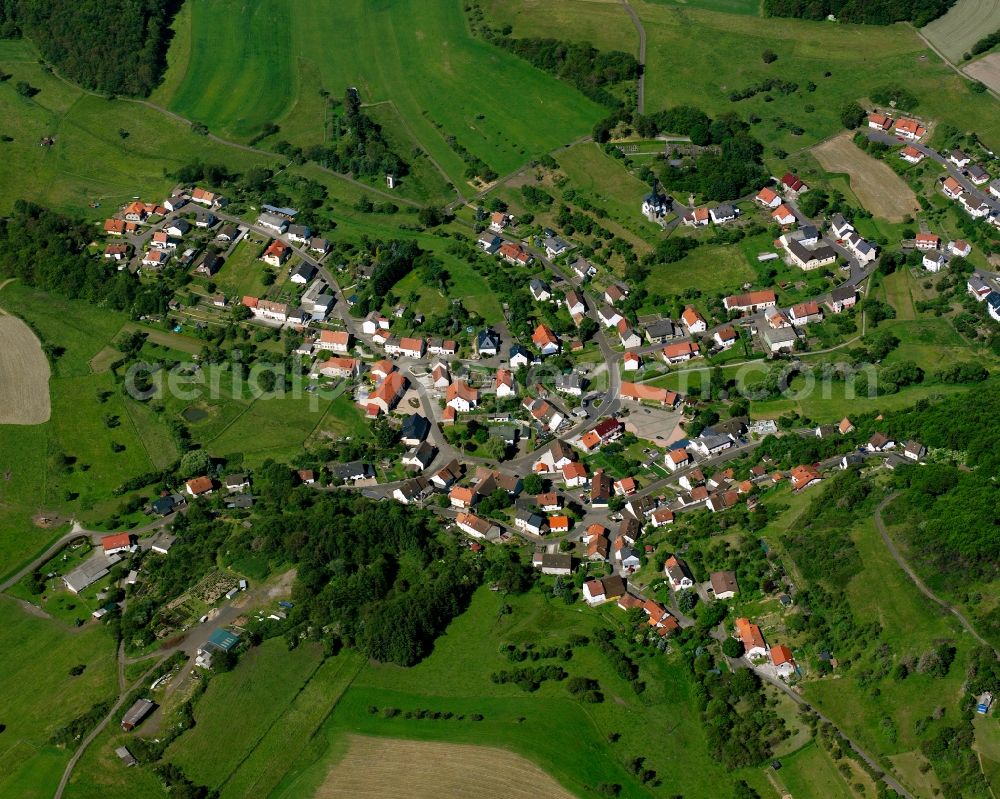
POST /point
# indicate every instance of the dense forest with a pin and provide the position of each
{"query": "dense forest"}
(375, 576)
(49, 251)
(871, 12)
(728, 167)
(117, 46)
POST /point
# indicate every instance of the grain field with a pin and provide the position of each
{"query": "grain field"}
(879, 189)
(986, 70)
(24, 374)
(390, 768)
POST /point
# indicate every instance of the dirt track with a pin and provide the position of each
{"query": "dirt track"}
(390, 768)
(879, 189)
(24, 374)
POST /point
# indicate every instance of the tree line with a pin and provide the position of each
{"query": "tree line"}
(870, 12)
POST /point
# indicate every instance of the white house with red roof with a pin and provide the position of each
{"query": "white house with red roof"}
(768, 198)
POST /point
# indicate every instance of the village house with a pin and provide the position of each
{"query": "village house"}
(723, 213)
(661, 516)
(319, 245)
(782, 660)
(583, 269)
(911, 155)
(499, 221)
(545, 340)
(557, 564)
(549, 502)
(540, 290)
(474, 526)
(628, 337)
(461, 396)
(792, 182)
(334, 340)
(199, 486)
(518, 357)
(574, 474)
(117, 543)
(914, 450)
(779, 340)
(696, 217)
(768, 198)
(783, 215)
(752, 301)
(805, 313)
(677, 574)
(570, 384)
(993, 305)
(598, 548)
(528, 522)
(677, 459)
(337, 367)
(723, 584)
(554, 458)
(927, 241)
(751, 638)
(693, 321)
(555, 246)
(632, 361)
(411, 490)
(385, 396)
(487, 343)
(659, 331)
(952, 188)
(725, 337)
(155, 259)
(503, 384)
(615, 293)
(681, 351)
(808, 259)
(934, 261)
(640, 392)
(608, 316)
(960, 248)
(977, 175)
(880, 122)
(879, 442)
(276, 253)
(842, 298)
(575, 304)
(514, 254)
(803, 476)
(447, 475)
(116, 252)
(978, 287)
(860, 248)
(959, 159)
(909, 129)
(489, 243)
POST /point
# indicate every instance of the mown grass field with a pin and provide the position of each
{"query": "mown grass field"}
(420, 56)
(966, 22)
(35, 658)
(712, 269)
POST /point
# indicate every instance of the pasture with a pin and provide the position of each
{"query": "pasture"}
(39, 653)
(103, 151)
(879, 189)
(418, 55)
(24, 374)
(986, 70)
(965, 24)
(389, 767)
(711, 268)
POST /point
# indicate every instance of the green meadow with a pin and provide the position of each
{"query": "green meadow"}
(253, 63)
(36, 655)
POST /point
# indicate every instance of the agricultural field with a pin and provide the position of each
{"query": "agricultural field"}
(24, 374)
(39, 652)
(879, 189)
(393, 767)
(281, 55)
(966, 22)
(986, 70)
(603, 23)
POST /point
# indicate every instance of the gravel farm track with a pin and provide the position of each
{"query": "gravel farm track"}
(390, 768)
(966, 23)
(24, 374)
(879, 189)
(986, 70)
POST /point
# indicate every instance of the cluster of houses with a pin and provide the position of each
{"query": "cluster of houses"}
(757, 651)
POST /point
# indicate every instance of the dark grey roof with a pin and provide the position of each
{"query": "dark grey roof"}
(488, 339)
(308, 271)
(415, 426)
